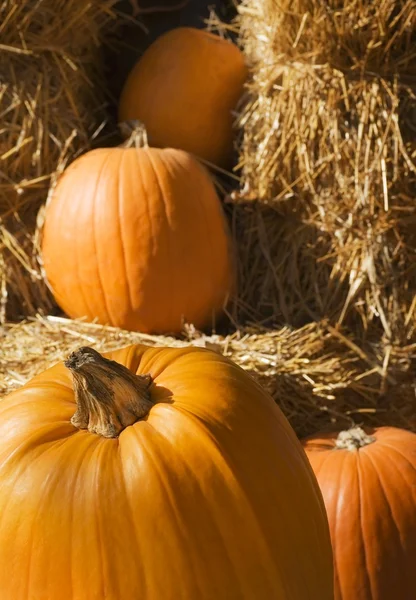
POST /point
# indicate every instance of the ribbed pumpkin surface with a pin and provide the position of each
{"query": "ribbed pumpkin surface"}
(209, 497)
(370, 497)
(184, 89)
(136, 238)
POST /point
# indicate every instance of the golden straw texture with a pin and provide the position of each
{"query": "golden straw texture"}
(318, 376)
(52, 102)
(330, 147)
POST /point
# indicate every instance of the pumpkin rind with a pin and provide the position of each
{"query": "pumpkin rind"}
(208, 496)
(184, 89)
(370, 497)
(136, 238)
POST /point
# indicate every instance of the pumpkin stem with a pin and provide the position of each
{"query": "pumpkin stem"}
(135, 133)
(109, 396)
(353, 439)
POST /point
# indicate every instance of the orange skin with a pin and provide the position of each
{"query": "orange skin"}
(184, 89)
(136, 238)
(370, 497)
(208, 496)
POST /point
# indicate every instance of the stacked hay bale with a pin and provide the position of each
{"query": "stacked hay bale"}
(326, 215)
(330, 143)
(51, 104)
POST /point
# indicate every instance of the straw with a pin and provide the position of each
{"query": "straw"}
(320, 379)
(52, 106)
(329, 145)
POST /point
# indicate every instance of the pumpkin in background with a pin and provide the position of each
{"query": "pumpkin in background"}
(184, 89)
(135, 237)
(156, 473)
(368, 481)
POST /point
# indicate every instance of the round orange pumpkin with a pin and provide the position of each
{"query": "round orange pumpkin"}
(135, 237)
(156, 473)
(184, 89)
(368, 481)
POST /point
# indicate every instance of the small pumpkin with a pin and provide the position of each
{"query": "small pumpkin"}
(135, 237)
(184, 89)
(156, 473)
(368, 481)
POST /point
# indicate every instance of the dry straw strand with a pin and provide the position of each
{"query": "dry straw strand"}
(318, 377)
(329, 144)
(52, 100)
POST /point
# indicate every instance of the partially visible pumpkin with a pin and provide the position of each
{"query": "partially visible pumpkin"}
(195, 488)
(368, 481)
(136, 238)
(184, 89)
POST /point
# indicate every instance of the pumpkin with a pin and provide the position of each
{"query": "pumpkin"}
(156, 473)
(368, 481)
(135, 237)
(184, 89)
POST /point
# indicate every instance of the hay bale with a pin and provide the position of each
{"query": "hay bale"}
(319, 378)
(329, 144)
(52, 102)
(281, 277)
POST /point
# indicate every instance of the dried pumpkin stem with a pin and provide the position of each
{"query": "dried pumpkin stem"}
(109, 396)
(353, 439)
(135, 133)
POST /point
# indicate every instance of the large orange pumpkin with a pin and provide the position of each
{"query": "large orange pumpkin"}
(368, 480)
(183, 482)
(135, 237)
(184, 89)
